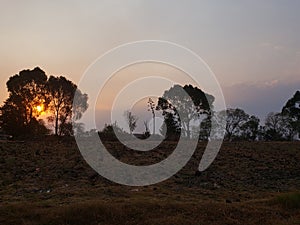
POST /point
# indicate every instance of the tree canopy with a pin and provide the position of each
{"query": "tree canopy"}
(191, 105)
(61, 94)
(292, 111)
(26, 92)
(31, 93)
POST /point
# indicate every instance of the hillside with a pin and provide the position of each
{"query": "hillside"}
(48, 182)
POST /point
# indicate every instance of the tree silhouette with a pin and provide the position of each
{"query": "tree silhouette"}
(61, 94)
(171, 129)
(30, 94)
(205, 129)
(173, 101)
(292, 111)
(26, 95)
(250, 129)
(131, 120)
(273, 129)
(235, 120)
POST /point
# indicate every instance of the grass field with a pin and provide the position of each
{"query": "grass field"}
(48, 182)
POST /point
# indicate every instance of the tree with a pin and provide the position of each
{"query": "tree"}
(235, 119)
(61, 93)
(274, 127)
(250, 129)
(27, 96)
(131, 120)
(78, 129)
(190, 103)
(289, 127)
(30, 94)
(291, 111)
(205, 129)
(147, 132)
(171, 128)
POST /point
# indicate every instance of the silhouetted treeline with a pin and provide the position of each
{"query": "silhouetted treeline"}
(187, 111)
(196, 113)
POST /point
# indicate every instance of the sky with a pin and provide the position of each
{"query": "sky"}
(253, 47)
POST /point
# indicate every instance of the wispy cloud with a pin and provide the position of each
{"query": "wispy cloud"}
(262, 97)
(271, 83)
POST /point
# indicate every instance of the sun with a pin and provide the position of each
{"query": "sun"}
(40, 108)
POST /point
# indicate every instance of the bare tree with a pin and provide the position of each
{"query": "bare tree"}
(131, 120)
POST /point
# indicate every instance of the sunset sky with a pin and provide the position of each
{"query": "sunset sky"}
(253, 47)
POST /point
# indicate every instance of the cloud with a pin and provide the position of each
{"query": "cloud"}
(271, 83)
(262, 97)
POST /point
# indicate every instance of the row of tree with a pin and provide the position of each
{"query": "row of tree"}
(197, 113)
(186, 109)
(189, 110)
(32, 94)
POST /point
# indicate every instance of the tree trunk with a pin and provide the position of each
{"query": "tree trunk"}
(153, 124)
(188, 133)
(56, 123)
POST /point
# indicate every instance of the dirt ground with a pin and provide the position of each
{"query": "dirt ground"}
(48, 182)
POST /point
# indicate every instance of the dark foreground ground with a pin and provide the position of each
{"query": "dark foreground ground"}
(48, 182)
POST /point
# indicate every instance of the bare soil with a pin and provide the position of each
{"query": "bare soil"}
(48, 182)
